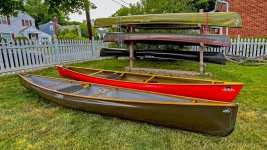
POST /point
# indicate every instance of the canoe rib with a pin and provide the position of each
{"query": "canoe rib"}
(201, 118)
(205, 89)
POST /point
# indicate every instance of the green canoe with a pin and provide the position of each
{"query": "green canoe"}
(223, 19)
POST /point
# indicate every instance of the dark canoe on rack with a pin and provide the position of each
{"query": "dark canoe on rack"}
(169, 38)
(210, 57)
(190, 114)
(223, 19)
(190, 87)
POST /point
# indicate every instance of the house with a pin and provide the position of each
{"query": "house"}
(21, 25)
(253, 14)
(48, 28)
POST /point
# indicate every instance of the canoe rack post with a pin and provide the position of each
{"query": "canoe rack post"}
(201, 58)
(131, 49)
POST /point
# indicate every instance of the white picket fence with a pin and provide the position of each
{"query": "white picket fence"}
(244, 47)
(19, 55)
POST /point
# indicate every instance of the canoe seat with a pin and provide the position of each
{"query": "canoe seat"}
(71, 89)
(114, 77)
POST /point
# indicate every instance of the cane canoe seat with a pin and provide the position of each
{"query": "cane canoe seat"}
(71, 89)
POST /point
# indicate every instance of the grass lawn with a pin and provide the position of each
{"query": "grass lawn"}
(29, 122)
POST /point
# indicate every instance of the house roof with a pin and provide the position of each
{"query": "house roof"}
(30, 29)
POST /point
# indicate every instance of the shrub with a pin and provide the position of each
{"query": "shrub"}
(21, 38)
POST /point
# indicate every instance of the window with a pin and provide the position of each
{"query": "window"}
(4, 20)
(51, 28)
(27, 23)
(6, 36)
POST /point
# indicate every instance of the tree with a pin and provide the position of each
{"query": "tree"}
(165, 6)
(11, 7)
(71, 6)
(206, 5)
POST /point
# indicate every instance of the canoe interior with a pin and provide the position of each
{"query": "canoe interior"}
(99, 91)
(141, 77)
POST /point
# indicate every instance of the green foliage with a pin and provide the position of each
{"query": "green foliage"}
(69, 34)
(11, 7)
(39, 10)
(84, 32)
(21, 38)
(206, 5)
(165, 6)
(68, 6)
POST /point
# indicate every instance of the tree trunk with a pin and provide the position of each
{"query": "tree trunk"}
(88, 19)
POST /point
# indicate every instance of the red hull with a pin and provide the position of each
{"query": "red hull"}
(204, 91)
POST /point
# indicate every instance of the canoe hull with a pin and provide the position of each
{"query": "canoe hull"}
(169, 38)
(223, 19)
(210, 120)
(210, 57)
(217, 92)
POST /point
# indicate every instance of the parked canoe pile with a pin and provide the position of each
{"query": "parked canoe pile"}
(196, 105)
(175, 21)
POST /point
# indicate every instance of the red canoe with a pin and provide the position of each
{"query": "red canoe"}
(189, 87)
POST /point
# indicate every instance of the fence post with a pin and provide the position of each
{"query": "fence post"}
(56, 49)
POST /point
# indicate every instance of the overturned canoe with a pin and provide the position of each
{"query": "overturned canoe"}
(169, 38)
(195, 115)
(224, 19)
(210, 57)
(198, 88)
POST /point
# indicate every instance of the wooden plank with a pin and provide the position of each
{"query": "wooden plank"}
(262, 46)
(246, 45)
(265, 47)
(10, 57)
(238, 46)
(20, 58)
(37, 55)
(16, 58)
(259, 47)
(2, 68)
(255, 46)
(6, 59)
(230, 50)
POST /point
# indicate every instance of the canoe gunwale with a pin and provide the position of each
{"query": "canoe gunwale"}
(161, 76)
(211, 102)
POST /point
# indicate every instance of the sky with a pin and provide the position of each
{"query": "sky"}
(105, 8)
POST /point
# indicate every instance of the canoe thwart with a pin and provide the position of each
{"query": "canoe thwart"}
(95, 73)
(149, 79)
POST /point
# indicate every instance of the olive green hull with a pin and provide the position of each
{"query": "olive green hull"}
(210, 120)
(224, 19)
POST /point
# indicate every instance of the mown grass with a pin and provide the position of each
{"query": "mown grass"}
(29, 122)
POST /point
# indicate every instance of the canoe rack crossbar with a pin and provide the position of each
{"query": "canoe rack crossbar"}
(71, 89)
